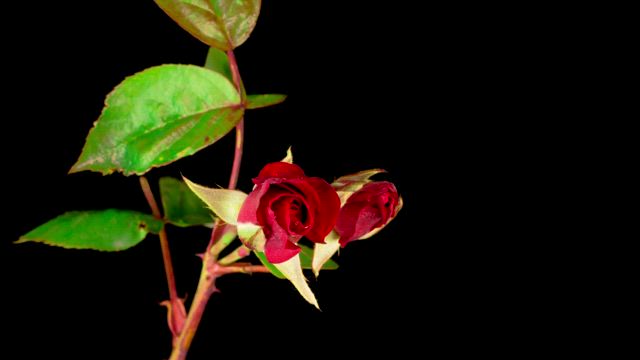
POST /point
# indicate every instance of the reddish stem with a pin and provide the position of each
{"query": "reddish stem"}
(206, 287)
(168, 266)
(237, 158)
(248, 269)
(164, 241)
(211, 270)
(235, 73)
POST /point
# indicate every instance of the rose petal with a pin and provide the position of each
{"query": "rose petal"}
(370, 208)
(280, 246)
(278, 199)
(278, 250)
(279, 170)
(248, 212)
(375, 189)
(385, 203)
(306, 189)
(289, 205)
(291, 214)
(326, 210)
(380, 194)
(357, 219)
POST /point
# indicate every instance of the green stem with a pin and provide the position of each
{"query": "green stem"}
(221, 238)
(237, 254)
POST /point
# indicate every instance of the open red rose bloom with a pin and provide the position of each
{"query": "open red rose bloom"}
(289, 205)
(367, 209)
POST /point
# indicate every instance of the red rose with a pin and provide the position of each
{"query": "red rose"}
(368, 209)
(289, 205)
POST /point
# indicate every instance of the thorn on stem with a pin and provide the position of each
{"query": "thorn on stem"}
(176, 316)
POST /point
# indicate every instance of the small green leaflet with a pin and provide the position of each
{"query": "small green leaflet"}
(181, 206)
(260, 101)
(218, 61)
(104, 230)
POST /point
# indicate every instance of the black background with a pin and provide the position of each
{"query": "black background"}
(412, 91)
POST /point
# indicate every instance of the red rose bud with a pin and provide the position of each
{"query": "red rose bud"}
(289, 205)
(367, 210)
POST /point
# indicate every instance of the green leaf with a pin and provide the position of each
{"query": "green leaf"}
(306, 259)
(260, 101)
(105, 230)
(224, 24)
(158, 116)
(268, 265)
(218, 61)
(181, 206)
(224, 203)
